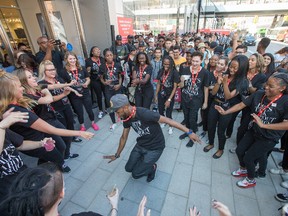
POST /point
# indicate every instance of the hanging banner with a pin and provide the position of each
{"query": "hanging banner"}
(125, 27)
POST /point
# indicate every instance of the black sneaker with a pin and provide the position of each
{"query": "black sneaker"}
(280, 164)
(281, 197)
(200, 124)
(203, 134)
(190, 143)
(76, 139)
(183, 136)
(65, 169)
(183, 122)
(71, 156)
(151, 175)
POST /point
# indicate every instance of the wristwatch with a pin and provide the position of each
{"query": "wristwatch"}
(117, 156)
(169, 100)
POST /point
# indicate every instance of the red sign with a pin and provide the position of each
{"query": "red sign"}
(125, 27)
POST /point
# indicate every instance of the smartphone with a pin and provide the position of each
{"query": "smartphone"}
(57, 42)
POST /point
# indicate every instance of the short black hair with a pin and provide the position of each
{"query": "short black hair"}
(265, 42)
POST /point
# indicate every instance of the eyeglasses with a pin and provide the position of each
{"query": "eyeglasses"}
(49, 70)
(162, 41)
(43, 42)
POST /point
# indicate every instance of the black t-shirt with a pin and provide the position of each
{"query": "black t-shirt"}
(182, 66)
(44, 111)
(148, 70)
(258, 81)
(168, 85)
(145, 124)
(10, 160)
(24, 129)
(95, 68)
(80, 76)
(275, 113)
(60, 104)
(196, 91)
(111, 74)
(57, 58)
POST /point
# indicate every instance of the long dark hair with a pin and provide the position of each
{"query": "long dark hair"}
(137, 61)
(241, 76)
(171, 63)
(34, 191)
(271, 67)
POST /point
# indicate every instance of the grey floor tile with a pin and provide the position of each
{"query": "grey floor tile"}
(202, 170)
(174, 205)
(71, 208)
(167, 160)
(246, 206)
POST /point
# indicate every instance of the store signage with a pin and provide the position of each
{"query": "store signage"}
(125, 27)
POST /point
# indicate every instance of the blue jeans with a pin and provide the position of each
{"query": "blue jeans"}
(141, 161)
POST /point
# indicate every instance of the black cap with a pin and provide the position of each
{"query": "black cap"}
(213, 44)
(218, 50)
(118, 37)
(130, 37)
(141, 44)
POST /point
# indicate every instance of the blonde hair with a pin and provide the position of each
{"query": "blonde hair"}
(21, 74)
(42, 68)
(8, 92)
(67, 66)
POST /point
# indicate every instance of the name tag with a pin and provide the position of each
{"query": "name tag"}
(273, 104)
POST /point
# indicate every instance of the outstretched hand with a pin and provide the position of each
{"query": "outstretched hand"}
(110, 157)
(193, 212)
(86, 135)
(113, 197)
(222, 209)
(220, 109)
(142, 207)
(257, 120)
(10, 117)
(194, 137)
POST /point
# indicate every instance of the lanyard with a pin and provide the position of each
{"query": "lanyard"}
(131, 115)
(268, 105)
(97, 61)
(141, 71)
(110, 72)
(194, 76)
(75, 74)
(164, 78)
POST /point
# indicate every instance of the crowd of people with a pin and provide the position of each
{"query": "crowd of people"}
(209, 77)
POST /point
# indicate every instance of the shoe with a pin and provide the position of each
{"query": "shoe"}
(100, 115)
(65, 169)
(190, 144)
(203, 134)
(284, 184)
(233, 150)
(71, 156)
(183, 136)
(95, 126)
(281, 197)
(112, 127)
(260, 175)
(278, 171)
(76, 139)
(82, 128)
(239, 173)
(208, 148)
(246, 183)
(162, 125)
(170, 130)
(217, 156)
(151, 175)
(278, 150)
(183, 122)
(280, 164)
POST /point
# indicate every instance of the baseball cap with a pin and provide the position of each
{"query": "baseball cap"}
(117, 101)
(118, 37)
(191, 43)
(213, 44)
(130, 37)
(218, 50)
(151, 40)
(141, 44)
(201, 45)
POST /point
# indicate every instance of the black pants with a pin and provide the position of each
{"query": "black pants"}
(108, 94)
(141, 161)
(161, 105)
(219, 121)
(251, 149)
(204, 114)
(67, 140)
(79, 102)
(144, 97)
(98, 88)
(190, 110)
(244, 123)
(284, 143)
(230, 127)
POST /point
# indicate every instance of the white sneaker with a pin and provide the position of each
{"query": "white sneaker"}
(112, 127)
(170, 130)
(278, 171)
(162, 125)
(100, 115)
(284, 184)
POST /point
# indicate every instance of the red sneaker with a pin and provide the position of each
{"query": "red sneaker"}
(82, 128)
(95, 126)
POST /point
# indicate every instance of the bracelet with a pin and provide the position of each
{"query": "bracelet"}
(169, 100)
(114, 209)
(189, 132)
(117, 156)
